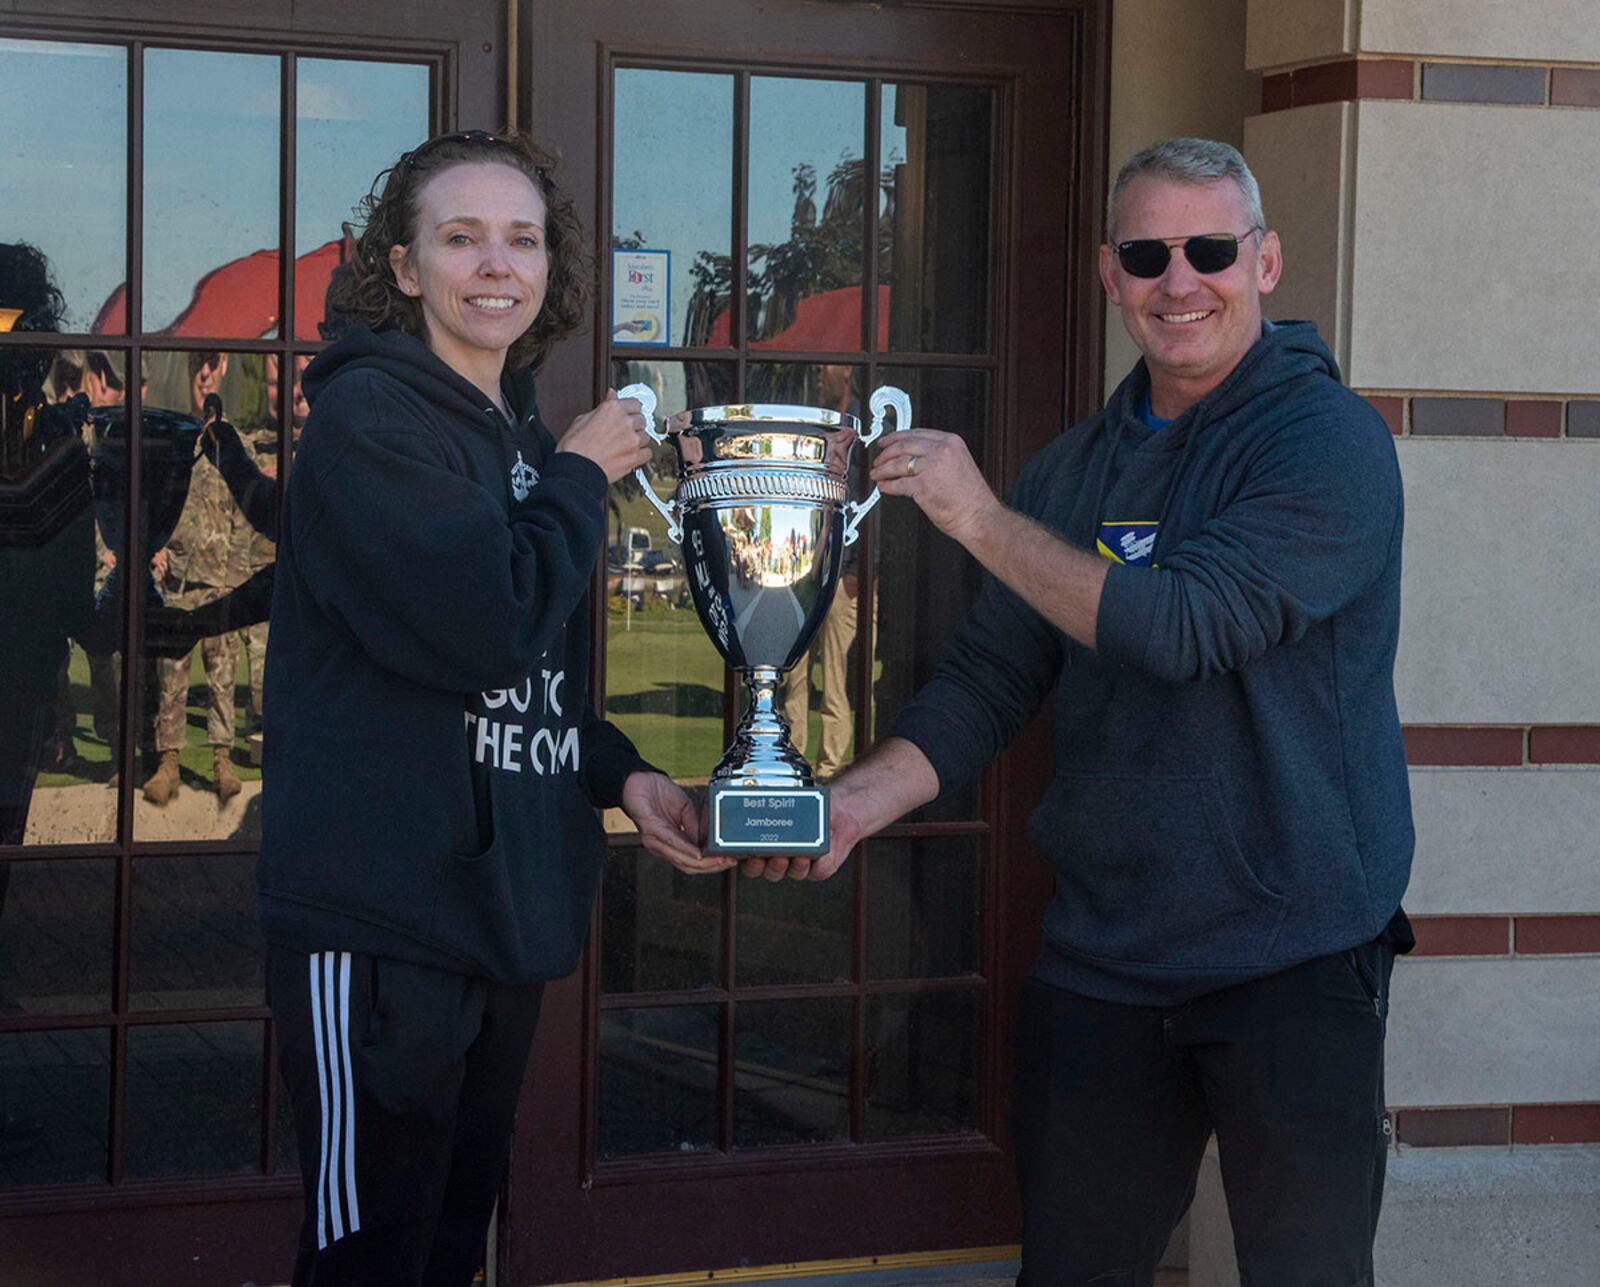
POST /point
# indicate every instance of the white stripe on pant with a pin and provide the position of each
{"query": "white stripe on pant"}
(330, 1024)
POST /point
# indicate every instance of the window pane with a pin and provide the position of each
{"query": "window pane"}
(55, 936)
(807, 213)
(791, 1082)
(922, 1064)
(926, 581)
(664, 677)
(201, 657)
(194, 944)
(194, 1099)
(661, 930)
(66, 129)
(211, 193)
(795, 931)
(672, 191)
(658, 1080)
(62, 484)
(924, 907)
(57, 1086)
(935, 216)
(353, 119)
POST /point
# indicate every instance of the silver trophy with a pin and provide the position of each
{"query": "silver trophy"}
(763, 514)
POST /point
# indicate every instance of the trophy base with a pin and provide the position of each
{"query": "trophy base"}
(753, 822)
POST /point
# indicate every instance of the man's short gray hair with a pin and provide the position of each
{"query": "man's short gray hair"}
(1195, 161)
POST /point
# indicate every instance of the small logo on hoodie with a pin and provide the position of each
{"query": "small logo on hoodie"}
(1130, 543)
(523, 477)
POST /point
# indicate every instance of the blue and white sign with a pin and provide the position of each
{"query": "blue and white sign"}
(641, 297)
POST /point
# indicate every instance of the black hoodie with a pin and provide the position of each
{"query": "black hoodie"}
(431, 761)
(1230, 794)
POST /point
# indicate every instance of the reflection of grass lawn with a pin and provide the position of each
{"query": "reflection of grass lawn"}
(94, 755)
(664, 690)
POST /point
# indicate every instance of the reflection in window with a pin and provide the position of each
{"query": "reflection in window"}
(927, 581)
(795, 932)
(210, 548)
(935, 210)
(55, 936)
(791, 1081)
(211, 193)
(56, 1089)
(64, 481)
(664, 678)
(658, 1080)
(353, 119)
(924, 907)
(194, 943)
(64, 152)
(672, 190)
(662, 930)
(922, 1064)
(194, 1099)
(807, 214)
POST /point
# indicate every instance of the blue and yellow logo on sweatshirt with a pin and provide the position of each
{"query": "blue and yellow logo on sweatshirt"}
(1131, 542)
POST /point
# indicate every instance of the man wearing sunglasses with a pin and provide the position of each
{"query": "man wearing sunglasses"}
(1206, 573)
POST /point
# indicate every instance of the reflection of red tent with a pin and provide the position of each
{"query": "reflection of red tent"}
(240, 299)
(829, 322)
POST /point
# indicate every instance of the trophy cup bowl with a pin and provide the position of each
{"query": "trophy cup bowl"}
(763, 515)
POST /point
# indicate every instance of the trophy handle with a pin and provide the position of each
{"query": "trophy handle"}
(667, 509)
(883, 397)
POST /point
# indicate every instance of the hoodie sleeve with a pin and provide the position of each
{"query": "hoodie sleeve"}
(608, 759)
(1315, 522)
(422, 567)
(1001, 664)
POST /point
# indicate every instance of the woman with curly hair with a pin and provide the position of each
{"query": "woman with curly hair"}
(429, 843)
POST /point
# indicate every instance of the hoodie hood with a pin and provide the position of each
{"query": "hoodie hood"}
(407, 359)
(1285, 351)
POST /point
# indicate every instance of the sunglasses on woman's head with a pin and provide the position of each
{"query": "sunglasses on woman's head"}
(479, 138)
(1209, 252)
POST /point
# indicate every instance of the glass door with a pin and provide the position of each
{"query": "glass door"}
(174, 210)
(801, 228)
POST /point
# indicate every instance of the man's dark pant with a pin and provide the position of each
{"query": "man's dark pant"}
(404, 1083)
(1115, 1102)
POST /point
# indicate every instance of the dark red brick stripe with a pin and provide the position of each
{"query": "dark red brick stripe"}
(1339, 82)
(1459, 416)
(1453, 1127)
(1462, 935)
(1555, 1123)
(1463, 744)
(1500, 745)
(1550, 935)
(1343, 80)
(1508, 935)
(1564, 744)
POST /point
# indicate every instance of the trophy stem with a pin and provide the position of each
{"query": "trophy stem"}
(762, 754)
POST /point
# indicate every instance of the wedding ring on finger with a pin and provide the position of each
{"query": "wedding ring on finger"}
(911, 465)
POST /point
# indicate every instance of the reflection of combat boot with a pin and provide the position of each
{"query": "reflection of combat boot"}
(163, 783)
(227, 780)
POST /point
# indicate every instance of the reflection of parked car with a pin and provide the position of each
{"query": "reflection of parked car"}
(650, 575)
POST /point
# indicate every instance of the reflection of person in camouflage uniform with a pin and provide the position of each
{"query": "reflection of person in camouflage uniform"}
(838, 630)
(200, 563)
(258, 550)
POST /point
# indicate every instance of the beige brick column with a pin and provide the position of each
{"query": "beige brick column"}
(1433, 167)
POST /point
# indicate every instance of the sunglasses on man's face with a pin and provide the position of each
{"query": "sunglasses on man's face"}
(1210, 252)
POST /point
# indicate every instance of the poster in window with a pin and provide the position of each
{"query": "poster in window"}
(641, 296)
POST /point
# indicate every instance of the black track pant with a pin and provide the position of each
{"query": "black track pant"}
(1115, 1102)
(404, 1082)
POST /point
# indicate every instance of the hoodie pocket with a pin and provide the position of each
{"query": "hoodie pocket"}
(520, 908)
(1148, 871)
